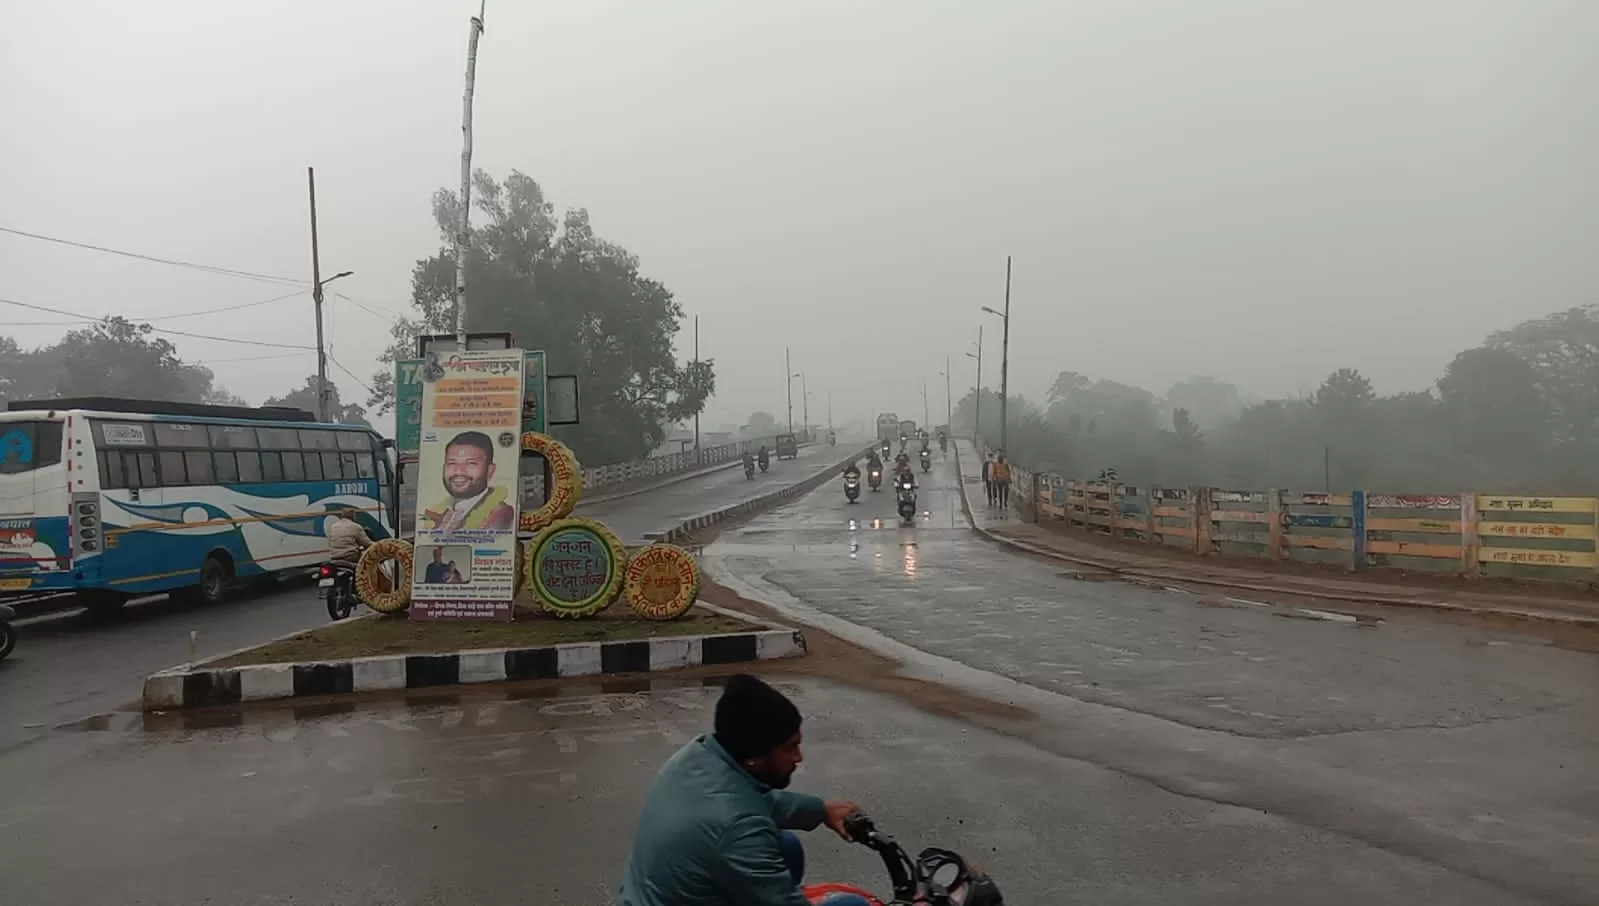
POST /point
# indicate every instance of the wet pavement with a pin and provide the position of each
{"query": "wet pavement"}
(1465, 748)
(532, 797)
(72, 666)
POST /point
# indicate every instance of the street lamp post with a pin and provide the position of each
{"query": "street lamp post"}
(977, 398)
(1004, 360)
(805, 403)
(788, 367)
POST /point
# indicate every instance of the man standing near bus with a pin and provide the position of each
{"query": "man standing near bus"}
(473, 503)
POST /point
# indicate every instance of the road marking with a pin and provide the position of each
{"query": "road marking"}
(1328, 615)
(487, 715)
(1249, 602)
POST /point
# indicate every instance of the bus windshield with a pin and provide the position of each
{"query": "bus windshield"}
(25, 446)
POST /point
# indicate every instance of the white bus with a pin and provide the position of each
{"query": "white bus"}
(115, 498)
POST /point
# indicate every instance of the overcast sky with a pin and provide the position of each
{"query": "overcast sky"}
(1259, 190)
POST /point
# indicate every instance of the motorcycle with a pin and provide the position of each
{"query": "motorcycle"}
(927, 460)
(852, 487)
(907, 499)
(943, 444)
(764, 463)
(336, 583)
(874, 477)
(8, 633)
(886, 449)
(749, 469)
(832, 439)
(938, 877)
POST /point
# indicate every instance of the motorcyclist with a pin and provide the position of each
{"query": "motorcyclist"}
(749, 462)
(872, 460)
(761, 457)
(943, 442)
(717, 824)
(346, 538)
(903, 471)
(852, 469)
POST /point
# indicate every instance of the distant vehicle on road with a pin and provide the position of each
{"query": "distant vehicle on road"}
(787, 447)
(116, 498)
(888, 427)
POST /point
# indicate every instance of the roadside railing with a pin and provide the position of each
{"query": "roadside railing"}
(1469, 534)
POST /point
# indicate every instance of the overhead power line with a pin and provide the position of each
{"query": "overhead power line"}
(146, 319)
(360, 383)
(162, 330)
(174, 262)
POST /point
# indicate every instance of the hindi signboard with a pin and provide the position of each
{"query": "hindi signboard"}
(469, 444)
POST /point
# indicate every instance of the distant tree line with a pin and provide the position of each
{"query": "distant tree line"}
(1520, 413)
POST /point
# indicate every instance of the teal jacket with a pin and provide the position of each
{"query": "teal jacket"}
(708, 835)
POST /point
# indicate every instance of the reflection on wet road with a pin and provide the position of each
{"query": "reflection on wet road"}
(1444, 730)
(532, 797)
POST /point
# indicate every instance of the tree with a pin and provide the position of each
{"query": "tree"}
(762, 424)
(580, 297)
(112, 357)
(1492, 396)
(1563, 351)
(304, 397)
(1209, 402)
(1344, 391)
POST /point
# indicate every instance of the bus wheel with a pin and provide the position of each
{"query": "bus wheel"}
(214, 577)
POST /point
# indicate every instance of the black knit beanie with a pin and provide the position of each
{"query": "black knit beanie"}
(752, 718)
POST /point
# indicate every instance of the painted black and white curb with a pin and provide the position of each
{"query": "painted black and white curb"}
(199, 686)
(703, 521)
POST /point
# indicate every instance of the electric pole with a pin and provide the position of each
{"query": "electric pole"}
(464, 237)
(316, 299)
(1004, 370)
(696, 375)
(788, 369)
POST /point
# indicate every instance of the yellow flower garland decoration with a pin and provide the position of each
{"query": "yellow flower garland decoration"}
(662, 582)
(368, 573)
(568, 481)
(561, 533)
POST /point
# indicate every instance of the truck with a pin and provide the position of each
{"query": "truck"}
(888, 427)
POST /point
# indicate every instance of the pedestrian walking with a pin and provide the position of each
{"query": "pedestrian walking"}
(988, 477)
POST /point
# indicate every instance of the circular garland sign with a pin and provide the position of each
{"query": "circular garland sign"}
(566, 476)
(575, 567)
(662, 582)
(373, 587)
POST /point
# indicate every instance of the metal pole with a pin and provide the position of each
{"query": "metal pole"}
(949, 402)
(316, 298)
(977, 405)
(696, 371)
(788, 373)
(1326, 468)
(829, 410)
(926, 414)
(1004, 368)
(464, 237)
(805, 404)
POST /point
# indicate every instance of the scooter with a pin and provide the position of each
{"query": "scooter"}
(832, 439)
(939, 877)
(886, 450)
(8, 633)
(336, 583)
(749, 469)
(874, 477)
(764, 463)
(852, 487)
(927, 460)
(907, 499)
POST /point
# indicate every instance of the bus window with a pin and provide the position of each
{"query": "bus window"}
(232, 437)
(272, 467)
(227, 467)
(313, 467)
(363, 463)
(139, 469)
(279, 439)
(330, 467)
(172, 475)
(174, 435)
(250, 466)
(319, 440)
(111, 470)
(25, 446)
(293, 466)
(198, 463)
(354, 440)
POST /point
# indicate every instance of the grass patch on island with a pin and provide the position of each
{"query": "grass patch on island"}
(398, 635)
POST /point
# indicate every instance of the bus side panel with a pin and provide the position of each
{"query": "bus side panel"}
(260, 528)
(35, 555)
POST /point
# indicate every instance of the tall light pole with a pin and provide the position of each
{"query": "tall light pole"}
(696, 374)
(805, 402)
(1004, 360)
(926, 415)
(316, 297)
(463, 236)
(949, 403)
(788, 369)
(977, 399)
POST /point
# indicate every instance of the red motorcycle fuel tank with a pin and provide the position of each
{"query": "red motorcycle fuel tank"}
(816, 893)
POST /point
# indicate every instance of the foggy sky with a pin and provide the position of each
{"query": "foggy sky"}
(1260, 191)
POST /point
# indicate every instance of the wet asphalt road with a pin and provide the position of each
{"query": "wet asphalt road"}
(74, 666)
(493, 801)
(1469, 750)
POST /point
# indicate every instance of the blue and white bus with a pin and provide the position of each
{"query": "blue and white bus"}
(114, 498)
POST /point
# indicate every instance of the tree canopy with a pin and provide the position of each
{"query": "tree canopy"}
(559, 286)
(304, 397)
(1518, 414)
(111, 357)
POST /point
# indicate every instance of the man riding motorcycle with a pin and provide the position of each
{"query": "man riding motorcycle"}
(346, 538)
(717, 822)
(852, 469)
